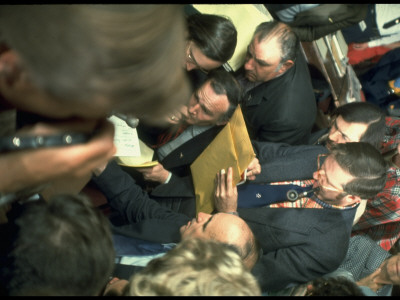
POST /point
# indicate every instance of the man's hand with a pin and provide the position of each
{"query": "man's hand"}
(178, 115)
(370, 281)
(253, 169)
(225, 195)
(156, 173)
(30, 168)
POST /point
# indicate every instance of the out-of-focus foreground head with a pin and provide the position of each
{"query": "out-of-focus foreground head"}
(99, 58)
(62, 248)
(196, 267)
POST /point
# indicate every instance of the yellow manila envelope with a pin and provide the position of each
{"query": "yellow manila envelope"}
(230, 148)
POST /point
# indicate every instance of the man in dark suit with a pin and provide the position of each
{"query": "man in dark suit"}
(308, 238)
(279, 103)
(208, 110)
(144, 218)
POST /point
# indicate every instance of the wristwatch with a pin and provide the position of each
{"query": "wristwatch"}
(12, 143)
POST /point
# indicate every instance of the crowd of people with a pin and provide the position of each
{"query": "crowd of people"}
(318, 215)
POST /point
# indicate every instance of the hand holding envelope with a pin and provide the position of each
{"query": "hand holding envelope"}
(230, 148)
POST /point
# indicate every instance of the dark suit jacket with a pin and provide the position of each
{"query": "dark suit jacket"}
(283, 109)
(180, 187)
(319, 21)
(283, 162)
(299, 244)
(143, 217)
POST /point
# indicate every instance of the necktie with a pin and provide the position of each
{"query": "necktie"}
(391, 23)
(170, 134)
(257, 195)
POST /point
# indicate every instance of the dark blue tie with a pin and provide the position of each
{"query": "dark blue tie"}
(257, 195)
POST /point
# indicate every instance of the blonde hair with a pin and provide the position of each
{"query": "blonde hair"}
(195, 267)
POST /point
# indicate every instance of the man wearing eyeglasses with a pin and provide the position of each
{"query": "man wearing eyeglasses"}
(279, 103)
(307, 238)
(353, 122)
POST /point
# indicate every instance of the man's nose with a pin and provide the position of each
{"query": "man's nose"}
(334, 136)
(316, 175)
(190, 66)
(249, 64)
(202, 216)
(193, 109)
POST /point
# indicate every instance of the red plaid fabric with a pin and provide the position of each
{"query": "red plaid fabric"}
(170, 134)
(381, 219)
(392, 136)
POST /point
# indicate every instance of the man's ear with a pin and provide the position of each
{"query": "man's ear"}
(286, 66)
(351, 199)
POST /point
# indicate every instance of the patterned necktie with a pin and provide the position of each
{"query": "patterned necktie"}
(257, 195)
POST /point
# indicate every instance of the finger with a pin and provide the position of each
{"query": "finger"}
(229, 179)
(217, 188)
(222, 182)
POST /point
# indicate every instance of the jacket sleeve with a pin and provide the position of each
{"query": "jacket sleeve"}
(176, 187)
(312, 33)
(294, 265)
(132, 203)
(281, 162)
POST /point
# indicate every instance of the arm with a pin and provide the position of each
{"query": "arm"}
(281, 161)
(312, 33)
(27, 168)
(133, 204)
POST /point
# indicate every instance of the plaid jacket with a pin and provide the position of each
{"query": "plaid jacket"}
(381, 219)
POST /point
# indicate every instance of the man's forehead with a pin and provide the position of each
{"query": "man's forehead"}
(355, 130)
(266, 49)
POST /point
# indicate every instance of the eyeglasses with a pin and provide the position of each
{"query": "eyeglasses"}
(190, 59)
(321, 174)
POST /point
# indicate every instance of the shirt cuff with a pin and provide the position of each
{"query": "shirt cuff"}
(168, 178)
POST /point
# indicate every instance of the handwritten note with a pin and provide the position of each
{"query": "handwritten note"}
(125, 138)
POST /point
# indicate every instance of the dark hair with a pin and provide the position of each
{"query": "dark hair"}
(334, 286)
(288, 40)
(216, 36)
(366, 113)
(63, 247)
(224, 83)
(117, 52)
(365, 163)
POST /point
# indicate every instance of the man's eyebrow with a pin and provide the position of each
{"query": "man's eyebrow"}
(259, 61)
(206, 110)
(208, 222)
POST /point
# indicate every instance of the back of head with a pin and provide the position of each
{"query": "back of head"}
(334, 286)
(367, 113)
(224, 83)
(287, 39)
(63, 248)
(366, 164)
(216, 36)
(196, 267)
(115, 52)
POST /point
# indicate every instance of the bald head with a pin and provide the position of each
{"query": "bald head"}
(226, 228)
(285, 37)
